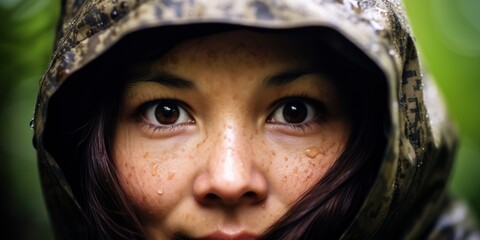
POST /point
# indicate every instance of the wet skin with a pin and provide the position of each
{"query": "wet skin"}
(225, 132)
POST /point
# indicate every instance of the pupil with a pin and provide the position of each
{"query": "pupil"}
(295, 112)
(167, 113)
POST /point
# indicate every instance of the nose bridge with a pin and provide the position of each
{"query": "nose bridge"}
(230, 165)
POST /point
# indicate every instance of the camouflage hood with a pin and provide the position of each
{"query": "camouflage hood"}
(407, 195)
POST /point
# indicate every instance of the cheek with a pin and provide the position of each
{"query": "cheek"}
(147, 172)
(299, 166)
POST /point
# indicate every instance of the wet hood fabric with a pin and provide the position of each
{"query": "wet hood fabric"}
(407, 195)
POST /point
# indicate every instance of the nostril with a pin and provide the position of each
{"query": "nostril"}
(211, 197)
(250, 195)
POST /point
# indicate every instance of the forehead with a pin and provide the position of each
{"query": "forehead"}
(242, 48)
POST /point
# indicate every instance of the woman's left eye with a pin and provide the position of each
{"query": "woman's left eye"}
(166, 113)
(296, 112)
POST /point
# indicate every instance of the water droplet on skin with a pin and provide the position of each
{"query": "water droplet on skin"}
(284, 179)
(312, 152)
(160, 192)
(171, 174)
(154, 169)
(295, 170)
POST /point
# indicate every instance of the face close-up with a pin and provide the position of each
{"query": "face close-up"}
(219, 136)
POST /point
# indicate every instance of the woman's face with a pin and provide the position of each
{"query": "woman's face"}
(219, 137)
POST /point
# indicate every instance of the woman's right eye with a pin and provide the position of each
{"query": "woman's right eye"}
(166, 114)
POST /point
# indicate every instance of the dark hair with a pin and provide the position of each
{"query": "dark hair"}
(324, 212)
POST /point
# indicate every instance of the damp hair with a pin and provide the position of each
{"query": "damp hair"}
(323, 212)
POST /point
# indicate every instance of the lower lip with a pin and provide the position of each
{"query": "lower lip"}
(228, 237)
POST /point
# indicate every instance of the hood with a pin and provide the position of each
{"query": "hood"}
(407, 194)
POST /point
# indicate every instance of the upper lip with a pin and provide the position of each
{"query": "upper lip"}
(227, 236)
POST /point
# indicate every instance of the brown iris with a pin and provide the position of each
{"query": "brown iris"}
(167, 113)
(295, 112)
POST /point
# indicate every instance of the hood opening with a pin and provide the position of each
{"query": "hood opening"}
(74, 104)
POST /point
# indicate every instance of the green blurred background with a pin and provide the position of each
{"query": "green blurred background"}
(448, 33)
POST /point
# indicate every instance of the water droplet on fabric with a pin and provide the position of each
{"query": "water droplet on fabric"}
(114, 13)
(419, 164)
(89, 33)
(312, 152)
(375, 48)
(123, 5)
(32, 123)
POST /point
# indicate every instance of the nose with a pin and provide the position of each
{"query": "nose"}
(231, 176)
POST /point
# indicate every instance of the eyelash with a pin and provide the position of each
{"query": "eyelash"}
(319, 108)
(141, 112)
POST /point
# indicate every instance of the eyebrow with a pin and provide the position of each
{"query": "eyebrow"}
(174, 81)
(285, 78)
(166, 79)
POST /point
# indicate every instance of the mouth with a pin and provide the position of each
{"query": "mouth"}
(226, 236)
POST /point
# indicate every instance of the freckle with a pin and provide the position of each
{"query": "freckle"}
(274, 153)
(145, 155)
(154, 169)
(263, 206)
(171, 174)
(284, 179)
(286, 159)
(295, 170)
(312, 152)
(183, 150)
(160, 192)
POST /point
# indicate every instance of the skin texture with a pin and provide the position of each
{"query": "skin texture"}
(230, 164)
